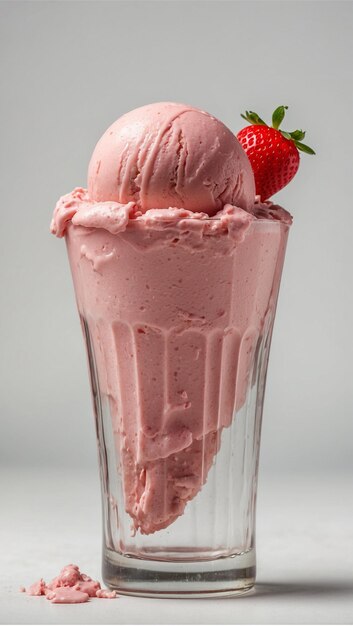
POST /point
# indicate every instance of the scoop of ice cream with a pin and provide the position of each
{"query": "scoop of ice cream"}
(171, 155)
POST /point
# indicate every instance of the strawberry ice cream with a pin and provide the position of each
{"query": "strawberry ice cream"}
(70, 587)
(176, 268)
(171, 155)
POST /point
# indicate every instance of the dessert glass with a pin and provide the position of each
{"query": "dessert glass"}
(178, 330)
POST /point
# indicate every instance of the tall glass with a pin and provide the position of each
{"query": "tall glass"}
(178, 331)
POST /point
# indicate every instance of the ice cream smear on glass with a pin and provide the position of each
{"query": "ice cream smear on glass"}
(176, 265)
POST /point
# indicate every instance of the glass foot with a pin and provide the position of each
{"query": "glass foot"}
(222, 577)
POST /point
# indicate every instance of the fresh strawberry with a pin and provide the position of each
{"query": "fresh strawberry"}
(273, 153)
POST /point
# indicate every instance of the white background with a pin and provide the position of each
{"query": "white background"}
(67, 71)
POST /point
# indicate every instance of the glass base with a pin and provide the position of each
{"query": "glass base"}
(226, 576)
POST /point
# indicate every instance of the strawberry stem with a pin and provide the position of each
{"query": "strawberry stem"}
(298, 135)
(278, 115)
(253, 118)
(277, 118)
(303, 148)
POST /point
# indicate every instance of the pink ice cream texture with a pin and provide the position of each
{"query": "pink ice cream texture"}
(69, 587)
(171, 155)
(166, 248)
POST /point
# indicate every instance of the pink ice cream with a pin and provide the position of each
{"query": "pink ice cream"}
(70, 587)
(174, 303)
(171, 155)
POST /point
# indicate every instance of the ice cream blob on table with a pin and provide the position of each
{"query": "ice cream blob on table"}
(173, 261)
(70, 587)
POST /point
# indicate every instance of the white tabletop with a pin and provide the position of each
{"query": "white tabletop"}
(305, 554)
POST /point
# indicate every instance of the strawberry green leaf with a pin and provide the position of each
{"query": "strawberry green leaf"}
(298, 135)
(303, 148)
(285, 135)
(253, 118)
(278, 115)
